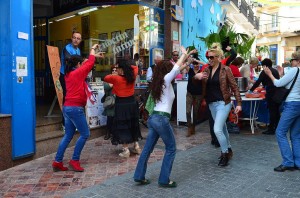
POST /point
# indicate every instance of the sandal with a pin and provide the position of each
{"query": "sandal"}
(171, 184)
(142, 181)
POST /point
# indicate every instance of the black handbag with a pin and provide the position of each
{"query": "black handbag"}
(232, 127)
(281, 93)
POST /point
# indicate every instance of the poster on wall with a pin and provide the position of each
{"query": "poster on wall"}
(94, 110)
(54, 61)
(22, 69)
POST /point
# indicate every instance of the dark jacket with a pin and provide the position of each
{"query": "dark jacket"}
(266, 81)
(108, 92)
(194, 87)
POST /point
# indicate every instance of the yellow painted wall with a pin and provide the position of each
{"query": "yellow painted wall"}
(115, 18)
(62, 30)
(107, 20)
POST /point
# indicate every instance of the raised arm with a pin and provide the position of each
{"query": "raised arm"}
(184, 55)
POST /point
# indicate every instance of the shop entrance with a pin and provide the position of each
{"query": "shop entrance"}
(121, 30)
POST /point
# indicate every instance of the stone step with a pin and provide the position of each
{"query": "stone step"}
(48, 127)
(47, 142)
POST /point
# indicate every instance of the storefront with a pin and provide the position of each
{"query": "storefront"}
(122, 29)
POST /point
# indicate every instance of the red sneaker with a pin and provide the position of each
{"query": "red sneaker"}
(75, 164)
(58, 166)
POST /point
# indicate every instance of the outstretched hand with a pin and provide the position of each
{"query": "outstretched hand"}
(183, 50)
(200, 76)
(100, 55)
(95, 51)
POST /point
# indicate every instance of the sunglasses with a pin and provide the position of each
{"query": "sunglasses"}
(210, 57)
(175, 55)
(293, 60)
(114, 70)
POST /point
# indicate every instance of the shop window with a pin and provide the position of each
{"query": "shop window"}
(273, 54)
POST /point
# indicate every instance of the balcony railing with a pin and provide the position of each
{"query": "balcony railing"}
(235, 2)
(256, 23)
(244, 9)
(270, 28)
(251, 16)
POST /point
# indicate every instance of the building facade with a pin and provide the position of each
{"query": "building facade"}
(279, 29)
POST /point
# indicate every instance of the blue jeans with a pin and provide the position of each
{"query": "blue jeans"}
(220, 112)
(74, 118)
(289, 121)
(159, 126)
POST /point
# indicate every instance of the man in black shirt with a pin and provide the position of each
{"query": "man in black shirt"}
(270, 89)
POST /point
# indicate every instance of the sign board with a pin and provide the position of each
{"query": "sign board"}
(94, 111)
(55, 64)
(177, 13)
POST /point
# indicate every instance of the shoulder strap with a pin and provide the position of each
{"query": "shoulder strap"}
(295, 78)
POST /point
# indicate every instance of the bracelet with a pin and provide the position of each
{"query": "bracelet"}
(93, 48)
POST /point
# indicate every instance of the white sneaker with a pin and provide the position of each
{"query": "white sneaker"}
(125, 153)
(137, 150)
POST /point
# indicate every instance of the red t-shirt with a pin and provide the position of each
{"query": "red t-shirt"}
(204, 66)
(235, 71)
(75, 84)
(120, 86)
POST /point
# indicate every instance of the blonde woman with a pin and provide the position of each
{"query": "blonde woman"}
(249, 72)
(217, 92)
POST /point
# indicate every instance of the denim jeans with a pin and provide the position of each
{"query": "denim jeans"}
(159, 126)
(220, 112)
(74, 118)
(289, 121)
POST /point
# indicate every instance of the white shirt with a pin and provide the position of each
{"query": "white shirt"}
(168, 95)
(149, 74)
(287, 81)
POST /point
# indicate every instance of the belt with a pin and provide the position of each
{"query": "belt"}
(162, 113)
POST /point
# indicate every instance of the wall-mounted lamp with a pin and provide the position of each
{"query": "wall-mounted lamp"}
(65, 18)
(87, 11)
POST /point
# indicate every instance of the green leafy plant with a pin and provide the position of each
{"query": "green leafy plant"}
(263, 49)
(242, 43)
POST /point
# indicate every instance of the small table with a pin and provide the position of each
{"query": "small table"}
(254, 102)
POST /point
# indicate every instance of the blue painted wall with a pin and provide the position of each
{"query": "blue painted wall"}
(200, 18)
(17, 99)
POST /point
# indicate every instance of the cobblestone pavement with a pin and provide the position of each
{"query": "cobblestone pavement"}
(250, 173)
(100, 160)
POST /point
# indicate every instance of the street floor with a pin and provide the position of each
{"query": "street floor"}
(249, 174)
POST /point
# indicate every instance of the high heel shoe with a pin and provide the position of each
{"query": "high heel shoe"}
(75, 164)
(59, 166)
